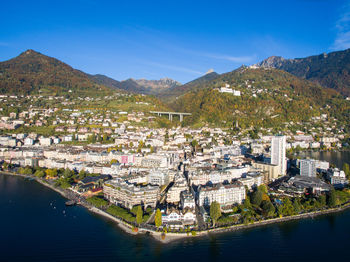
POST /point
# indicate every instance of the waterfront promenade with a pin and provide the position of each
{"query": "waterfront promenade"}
(169, 237)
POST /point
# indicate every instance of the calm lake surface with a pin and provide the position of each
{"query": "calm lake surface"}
(36, 226)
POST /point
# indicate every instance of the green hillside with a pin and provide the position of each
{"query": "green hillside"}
(269, 98)
(32, 72)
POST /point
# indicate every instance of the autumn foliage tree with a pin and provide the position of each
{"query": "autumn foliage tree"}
(158, 218)
(215, 212)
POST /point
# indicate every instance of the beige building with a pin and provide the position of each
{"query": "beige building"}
(271, 170)
(173, 195)
(129, 195)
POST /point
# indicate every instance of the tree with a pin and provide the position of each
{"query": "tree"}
(346, 170)
(67, 173)
(257, 197)
(288, 208)
(25, 171)
(247, 204)
(332, 198)
(297, 205)
(5, 166)
(322, 200)
(92, 139)
(166, 137)
(254, 133)
(158, 218)
(51, 172)
(133, 210)
(139, 215)
(114, 161)
(263, 188)
(268, 208)
(28, 171)
(39, 173)
(215, 211)
(194, 144)
(82, 174)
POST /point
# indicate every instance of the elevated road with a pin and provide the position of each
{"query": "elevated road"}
(171, 114)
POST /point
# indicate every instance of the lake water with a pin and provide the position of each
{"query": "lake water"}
(36, 226)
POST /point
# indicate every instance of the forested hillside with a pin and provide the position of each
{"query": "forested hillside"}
(269, 98)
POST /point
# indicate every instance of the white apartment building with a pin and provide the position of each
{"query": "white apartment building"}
(223, 194)
(252, 180)
(337, 178)
(28, 141)
(45, 141)
(308, 167)
(278, 153)
(322, 165)
(180, 184)
(202, 177)
(187, 200)
(158, 178)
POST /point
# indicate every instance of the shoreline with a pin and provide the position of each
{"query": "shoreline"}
(170, 237)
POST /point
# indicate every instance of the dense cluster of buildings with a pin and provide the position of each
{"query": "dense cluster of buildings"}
(151, 167)
(173, 174)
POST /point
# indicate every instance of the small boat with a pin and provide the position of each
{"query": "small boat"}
(70, 203)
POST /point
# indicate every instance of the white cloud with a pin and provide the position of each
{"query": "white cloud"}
(235, 59)
(342, 26)
(342, 41)
(217, 56)
(174, 68)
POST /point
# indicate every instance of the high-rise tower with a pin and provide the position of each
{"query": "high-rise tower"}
(278, 153)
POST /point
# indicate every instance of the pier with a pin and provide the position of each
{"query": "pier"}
(171, 114)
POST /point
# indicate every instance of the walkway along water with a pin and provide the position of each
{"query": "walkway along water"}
(158, 235)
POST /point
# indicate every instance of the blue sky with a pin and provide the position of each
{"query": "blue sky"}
(176, 39)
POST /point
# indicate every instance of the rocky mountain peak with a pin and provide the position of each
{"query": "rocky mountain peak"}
(271, 62)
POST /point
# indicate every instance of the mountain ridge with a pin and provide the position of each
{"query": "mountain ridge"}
(174, 92)
(331, 70)
(32, 71)
(138, 86)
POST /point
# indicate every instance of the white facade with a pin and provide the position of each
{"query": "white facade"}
(188, 217)
(180, 184)
(223, 194)
(158, 178)
(230, 91)
(187, 200)
(28, 141)
(322, 165)
(278, 153)
(45, 141)
(308, 167)
(337, 178)
(252, 180)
